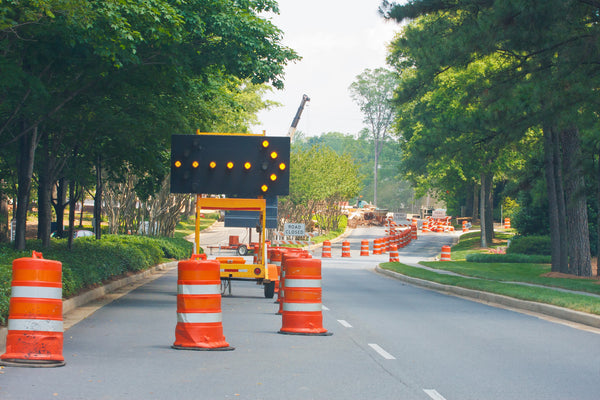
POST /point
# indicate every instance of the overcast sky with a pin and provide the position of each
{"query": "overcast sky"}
(337, 41)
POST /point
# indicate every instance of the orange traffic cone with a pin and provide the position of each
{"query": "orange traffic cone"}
(35, 323)
(199, 319)
(346, 249)
(302, 309)
(326, 249)
(364, 248)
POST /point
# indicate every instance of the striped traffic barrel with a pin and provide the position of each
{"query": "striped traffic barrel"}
(364, 248)
(394, 256)
(377, 246)
(199, 318)
(446, 253)
(302, 308)
(346, 249)
(326, 249)
(286, 257)
(35, 322)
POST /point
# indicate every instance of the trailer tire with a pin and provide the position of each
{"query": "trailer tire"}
(242, 250)
(269, 290)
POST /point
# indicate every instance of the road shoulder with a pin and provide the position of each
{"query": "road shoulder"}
(562, 315)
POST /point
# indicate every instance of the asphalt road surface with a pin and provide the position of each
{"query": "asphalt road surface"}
(390, 341)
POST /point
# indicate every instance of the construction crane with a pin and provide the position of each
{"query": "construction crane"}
(292, 130)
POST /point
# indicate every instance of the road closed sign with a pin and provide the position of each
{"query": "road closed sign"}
(290, 229)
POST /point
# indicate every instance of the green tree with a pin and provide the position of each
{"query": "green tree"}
(548, 53)
(320, 179)
(373, 91)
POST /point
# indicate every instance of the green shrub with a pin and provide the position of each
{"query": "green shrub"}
(530, 245)
(507, 258)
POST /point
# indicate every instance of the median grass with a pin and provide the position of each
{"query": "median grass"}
(512, 279)
(551, 296)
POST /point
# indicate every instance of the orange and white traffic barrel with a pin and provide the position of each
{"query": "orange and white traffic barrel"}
(326, 249)
(464, 226)
(394, 256)
(446, 253)
(506, 223)
(199, 317)
(413, 230)
(35, 322)
(288, 255)
(302, 308)
(346, 249)
(377, 246)
(364, 248)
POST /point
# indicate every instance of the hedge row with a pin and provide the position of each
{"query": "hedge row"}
(92, 262)
(530, 245)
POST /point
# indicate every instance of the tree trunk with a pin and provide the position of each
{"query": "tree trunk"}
(556, 213)
(580, 263)
(25, 160)
(98, 199)
(72, 202)
(482, 213)
(44, 197)
(598, 213)
(489, 208)
(376, 144)
(4, 235)
(475, 202)
(59, 205)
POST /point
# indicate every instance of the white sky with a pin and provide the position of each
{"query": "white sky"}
(337, 41)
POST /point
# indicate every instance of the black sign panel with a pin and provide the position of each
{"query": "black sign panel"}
(250, 219)
(234, 165)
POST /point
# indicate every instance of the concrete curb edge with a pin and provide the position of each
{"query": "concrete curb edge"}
(561, 313)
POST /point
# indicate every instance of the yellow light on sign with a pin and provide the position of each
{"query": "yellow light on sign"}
(282, 166)
(247, 165)
(264, 188)
(273, 177)
(265, 143)
(230, 165)
(274, 155)
(195, 164)
(212, 165)
(177, 164)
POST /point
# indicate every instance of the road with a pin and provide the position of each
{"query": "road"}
(390, 341)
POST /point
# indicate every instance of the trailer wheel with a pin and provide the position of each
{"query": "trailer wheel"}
(269, 290)
(242, 250)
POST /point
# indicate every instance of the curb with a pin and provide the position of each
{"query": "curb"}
(94, 294)
(561, 313)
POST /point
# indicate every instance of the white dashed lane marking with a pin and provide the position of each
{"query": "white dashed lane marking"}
(381, 351)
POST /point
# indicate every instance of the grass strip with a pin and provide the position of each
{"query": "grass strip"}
(577, 302)
(516, 272)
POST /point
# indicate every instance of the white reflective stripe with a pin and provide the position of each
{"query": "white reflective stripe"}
(277, 263)
(44, 325)
(198, 289)
(233, 270)
(302, 283)
(37, 292)
(301, 306)
(195, 318)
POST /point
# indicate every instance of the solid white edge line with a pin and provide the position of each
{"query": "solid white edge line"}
(382, 352)
(434, 394)
(344, 323)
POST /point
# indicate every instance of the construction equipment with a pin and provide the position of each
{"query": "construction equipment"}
(296, 119)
